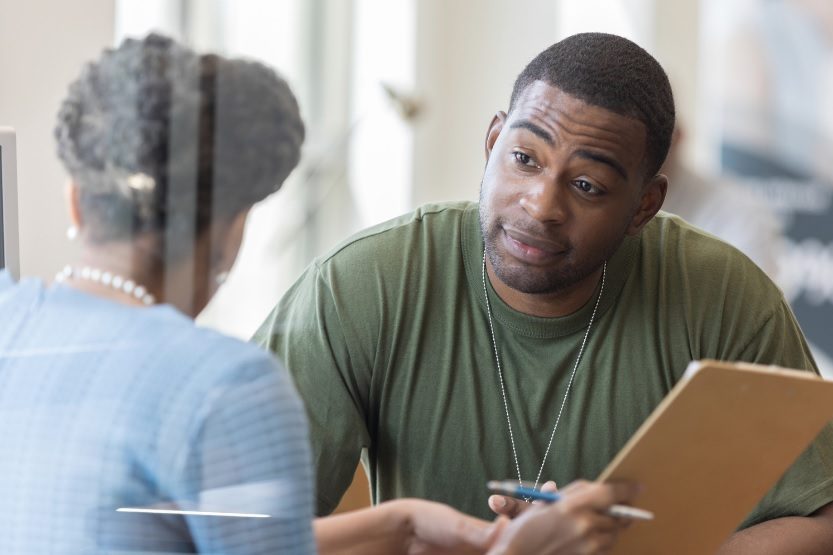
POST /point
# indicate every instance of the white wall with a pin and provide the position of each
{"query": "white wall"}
(676, 45)
(468, 55)
(43, 44)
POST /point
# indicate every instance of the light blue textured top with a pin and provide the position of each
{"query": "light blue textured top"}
(105, 406)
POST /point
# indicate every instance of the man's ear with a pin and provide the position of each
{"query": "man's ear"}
(495, 128)
(650, 202)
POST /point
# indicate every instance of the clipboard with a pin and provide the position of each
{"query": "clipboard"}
(710, 451)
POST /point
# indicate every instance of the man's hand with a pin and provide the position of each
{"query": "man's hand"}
(578, 523)
(504, 505)
(436, 529)
(405, 527)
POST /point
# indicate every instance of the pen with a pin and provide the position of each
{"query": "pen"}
(512, 489)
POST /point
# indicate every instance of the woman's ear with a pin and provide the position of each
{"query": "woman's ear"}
(229, 242)
(72, 195)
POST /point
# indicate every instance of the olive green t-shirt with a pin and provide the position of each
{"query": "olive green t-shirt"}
(387, 338)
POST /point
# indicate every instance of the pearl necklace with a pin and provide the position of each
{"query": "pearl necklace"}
(569, 383)
(108, 279)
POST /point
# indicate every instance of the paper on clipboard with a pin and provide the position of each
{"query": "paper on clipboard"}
(711, 450)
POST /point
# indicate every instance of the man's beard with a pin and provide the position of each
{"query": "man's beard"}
(532, 280)
(535, 280)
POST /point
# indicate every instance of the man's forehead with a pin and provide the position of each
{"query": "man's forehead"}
(539, 94)
(541, 100)
(554, 115)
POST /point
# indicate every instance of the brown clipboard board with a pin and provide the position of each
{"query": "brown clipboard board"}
(712, 448)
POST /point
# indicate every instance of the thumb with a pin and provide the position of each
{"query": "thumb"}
(549, 486)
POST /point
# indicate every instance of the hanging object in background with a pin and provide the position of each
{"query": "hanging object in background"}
(407, 104)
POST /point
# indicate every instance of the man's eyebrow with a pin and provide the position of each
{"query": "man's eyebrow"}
(596, 157)
(537, 130)
(586, 154)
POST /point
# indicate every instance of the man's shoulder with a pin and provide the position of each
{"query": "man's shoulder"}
(394, 236)
(666, 230)
(673, 238)
(700, 258)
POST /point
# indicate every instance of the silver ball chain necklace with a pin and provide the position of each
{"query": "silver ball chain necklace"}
(569, 383)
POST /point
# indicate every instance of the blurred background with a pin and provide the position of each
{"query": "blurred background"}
(397, 96)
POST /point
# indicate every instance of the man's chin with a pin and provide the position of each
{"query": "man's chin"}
(532, 281)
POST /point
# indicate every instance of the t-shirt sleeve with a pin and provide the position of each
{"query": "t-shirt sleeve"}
(307, 332)
(808, 483)
(250, 457)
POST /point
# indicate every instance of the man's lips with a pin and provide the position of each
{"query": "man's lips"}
(529, 246)
(533, 241)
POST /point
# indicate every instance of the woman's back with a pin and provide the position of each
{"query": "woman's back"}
(105, 406)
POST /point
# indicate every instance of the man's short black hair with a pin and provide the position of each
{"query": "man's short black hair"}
(613, 73)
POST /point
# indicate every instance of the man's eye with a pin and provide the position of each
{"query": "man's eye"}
(524, 158)
(586, 187)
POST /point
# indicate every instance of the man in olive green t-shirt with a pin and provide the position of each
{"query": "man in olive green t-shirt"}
(528, 336)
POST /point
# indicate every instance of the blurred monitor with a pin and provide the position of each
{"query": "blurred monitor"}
(9, 242)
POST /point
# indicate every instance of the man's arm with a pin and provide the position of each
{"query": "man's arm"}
(577, 524)
(808, 483)
(306, 332)
(806, 535)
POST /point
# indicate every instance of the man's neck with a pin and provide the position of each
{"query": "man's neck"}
(546, 305)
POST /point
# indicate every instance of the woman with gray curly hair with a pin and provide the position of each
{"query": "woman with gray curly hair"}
(125, 427)
(167, 152)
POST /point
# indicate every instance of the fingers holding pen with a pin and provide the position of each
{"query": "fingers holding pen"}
(504, 505)
(556, 529)
(578, 520)
(600, 496)
(588, 505)
(583, 510)
(549, 486)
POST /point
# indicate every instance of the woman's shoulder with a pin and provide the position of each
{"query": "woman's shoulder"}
(205, 350)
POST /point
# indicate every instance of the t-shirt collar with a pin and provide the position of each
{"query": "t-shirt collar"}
(619, 267)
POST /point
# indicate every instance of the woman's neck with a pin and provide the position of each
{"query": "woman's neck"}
(116, 272)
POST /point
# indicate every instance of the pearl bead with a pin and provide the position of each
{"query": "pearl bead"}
(108, 279)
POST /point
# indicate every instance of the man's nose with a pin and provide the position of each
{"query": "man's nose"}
(546, 201)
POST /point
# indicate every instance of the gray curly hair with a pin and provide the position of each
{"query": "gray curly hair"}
(159, 139)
